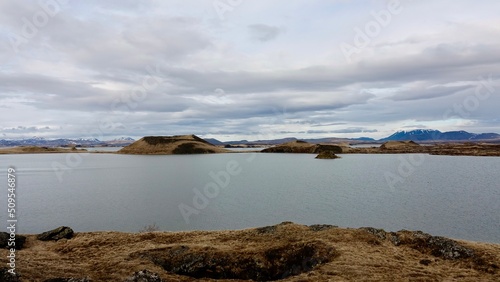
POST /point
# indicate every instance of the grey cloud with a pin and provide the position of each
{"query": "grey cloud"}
(422, 92)
(329, 124)
(121, 5)
(342, 131)
(36, 83)
(263, 32)
(318, 131)
(24, 129)
(142, 41)
(354, 130)
(434, 64)
(415, 126)
(425, 66)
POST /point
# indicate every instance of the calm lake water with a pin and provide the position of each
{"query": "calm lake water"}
(457, 197)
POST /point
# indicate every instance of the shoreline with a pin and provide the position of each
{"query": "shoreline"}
(462, 149)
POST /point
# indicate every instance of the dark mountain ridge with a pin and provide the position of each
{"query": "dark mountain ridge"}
(436, 135)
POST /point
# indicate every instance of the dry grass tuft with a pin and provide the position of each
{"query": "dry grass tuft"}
(150, 228)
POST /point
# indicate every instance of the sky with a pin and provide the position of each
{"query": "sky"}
(247, 69)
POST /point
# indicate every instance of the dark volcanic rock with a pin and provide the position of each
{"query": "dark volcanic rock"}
(56, 234)
(435, 245)
(6, 276)
(297, 147)
(271, 229)
(302, 147)
(267, 264)
(327, 155)
(266, 229)
(68, 280)
(327, 148)
(447, 248)
(4, 241)
(425, 261)
(394, 238)
(144, 276)
(380, 233)
(321, 227)
(190, 148)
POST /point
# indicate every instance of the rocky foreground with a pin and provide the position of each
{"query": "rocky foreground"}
(284, 252)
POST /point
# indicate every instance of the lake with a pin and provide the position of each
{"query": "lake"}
(453, 196)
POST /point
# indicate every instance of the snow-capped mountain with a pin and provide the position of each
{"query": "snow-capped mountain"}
(436, 135)
(122, 141)
(40, 141)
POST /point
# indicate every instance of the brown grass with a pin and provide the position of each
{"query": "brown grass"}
(449, 149)
(355, 255)
(391, 147)
(398, 145)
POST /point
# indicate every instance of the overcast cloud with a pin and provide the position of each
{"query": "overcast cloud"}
(247, 69)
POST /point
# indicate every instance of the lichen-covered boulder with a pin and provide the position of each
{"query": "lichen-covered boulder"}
(68, 280)
(144, 276)
(6, 276)
(4, 241)
(59, 233)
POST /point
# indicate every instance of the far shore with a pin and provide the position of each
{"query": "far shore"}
(39, 150)
(391, 147)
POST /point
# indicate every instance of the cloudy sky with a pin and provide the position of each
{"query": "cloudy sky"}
(247, 69)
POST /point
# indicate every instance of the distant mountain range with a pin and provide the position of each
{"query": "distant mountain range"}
(436, 135)
(286, 140)
(419, 135)
(62, 142)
